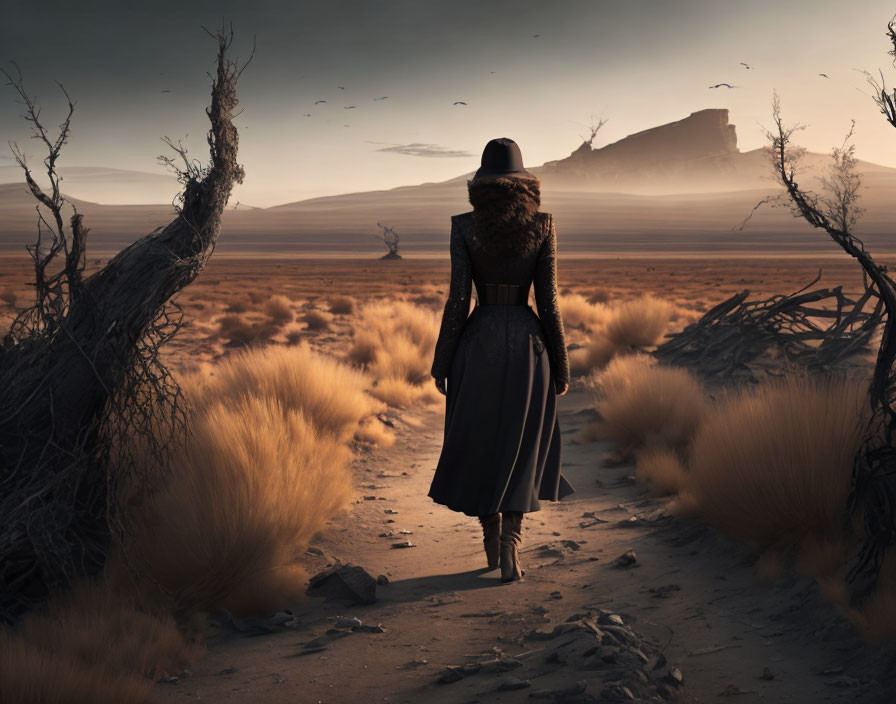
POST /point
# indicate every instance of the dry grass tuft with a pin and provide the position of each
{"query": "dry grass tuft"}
(92, 644)
(316, 320)
(266, 466)
(661, 469)
(395, 341)
(579, 313)
(342, 305)
(278, 309)
(255, 483)
(594, 355)
(639, 322)
(329, 393)
(772, 465)
(642, 403)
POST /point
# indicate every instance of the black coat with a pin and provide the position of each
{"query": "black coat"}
(504, 365)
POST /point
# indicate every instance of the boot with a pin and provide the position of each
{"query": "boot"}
(491, 538)
(511, 537)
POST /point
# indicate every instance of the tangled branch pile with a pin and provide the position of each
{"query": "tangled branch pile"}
(736, 332)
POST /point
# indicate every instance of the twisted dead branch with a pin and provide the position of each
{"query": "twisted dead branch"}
(737, 332)
(85, 390)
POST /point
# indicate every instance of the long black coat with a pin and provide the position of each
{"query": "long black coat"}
(504, 365)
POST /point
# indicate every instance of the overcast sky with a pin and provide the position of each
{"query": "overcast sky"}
(637, 63)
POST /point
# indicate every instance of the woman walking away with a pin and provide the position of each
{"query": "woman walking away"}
(502, 367)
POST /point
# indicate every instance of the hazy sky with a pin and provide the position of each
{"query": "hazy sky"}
(637, 63)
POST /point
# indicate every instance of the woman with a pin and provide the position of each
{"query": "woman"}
(502, 367)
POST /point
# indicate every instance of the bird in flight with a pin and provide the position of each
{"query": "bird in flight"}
(536, 35)
(166, 91)
(340, 87)
(719, 85)
(491, 71)
(383, 98)
(307, 114)
(348, 107)
(745, 65)
(824, 74)
(459, 102)
(319, 101)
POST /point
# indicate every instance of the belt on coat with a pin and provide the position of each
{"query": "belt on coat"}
(503, 294)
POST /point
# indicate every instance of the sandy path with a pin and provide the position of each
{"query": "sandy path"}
(692, 591)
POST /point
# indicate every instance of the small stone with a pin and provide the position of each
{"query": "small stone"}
(347, 622)
(404, 544)
(370, 498)
(605, 618)
(281, 617)
(626, 559)
(382, 580)
(450, 675)
(556, 595)
(390, 511)
(510, 684)
(227, 671)
(674, 676)
(314, 551)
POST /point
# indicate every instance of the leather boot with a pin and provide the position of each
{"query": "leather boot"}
(491, 538)
(511, 537)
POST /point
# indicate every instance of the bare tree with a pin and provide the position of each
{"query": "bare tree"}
(594, 129)
(80, 369)
(390, 237)
(873, 494)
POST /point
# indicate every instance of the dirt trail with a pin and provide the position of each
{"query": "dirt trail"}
(691, 591)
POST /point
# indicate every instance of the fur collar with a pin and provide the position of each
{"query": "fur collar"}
(505, 214)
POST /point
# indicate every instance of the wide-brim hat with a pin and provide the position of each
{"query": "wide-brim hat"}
(502, 157)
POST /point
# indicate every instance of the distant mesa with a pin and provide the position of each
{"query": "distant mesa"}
(696, 154)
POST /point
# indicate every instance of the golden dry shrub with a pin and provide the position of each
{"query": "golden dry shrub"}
(594, 355)
(278, 309)
(254, 484)
(266, 465)
(395, 342)
(92, 643)
(579, 313)
(661, 469)
(639, 322)
(771, 465)
(400, 394)
(316, 319)
(342, 305)
(329, 392)
(642, 403)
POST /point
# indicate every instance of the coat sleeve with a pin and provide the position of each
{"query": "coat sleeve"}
(457, 307)
(545, 285)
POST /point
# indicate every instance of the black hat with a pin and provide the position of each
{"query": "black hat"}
(502, 157)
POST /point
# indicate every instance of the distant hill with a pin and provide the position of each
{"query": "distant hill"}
(676, 188)
(101, 184)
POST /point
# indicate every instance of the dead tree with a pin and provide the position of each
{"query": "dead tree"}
(390, 237)
(873, 493)
(594, 129)
(80, 369)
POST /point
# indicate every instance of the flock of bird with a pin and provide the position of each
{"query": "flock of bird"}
(750, 68)
(384, 97)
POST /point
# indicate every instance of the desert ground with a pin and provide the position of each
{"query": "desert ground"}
(690, 595)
